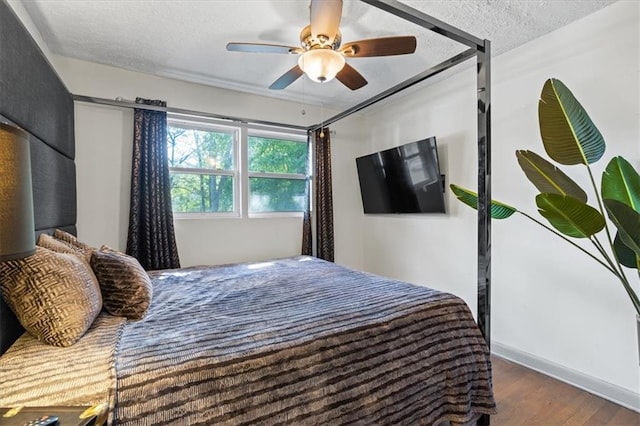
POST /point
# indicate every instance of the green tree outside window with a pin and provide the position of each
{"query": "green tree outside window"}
(204, 170)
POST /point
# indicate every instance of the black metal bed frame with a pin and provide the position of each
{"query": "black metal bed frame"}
(478, 48)
(481, 49)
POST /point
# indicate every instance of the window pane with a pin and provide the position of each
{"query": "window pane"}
(277, 156)
(201, 149)
(196, 193)
(276, 195)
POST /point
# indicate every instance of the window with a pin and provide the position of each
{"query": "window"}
(277, 170)
(238, 171)
(203, 168)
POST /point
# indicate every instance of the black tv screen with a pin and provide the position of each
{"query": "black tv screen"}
(404, 179)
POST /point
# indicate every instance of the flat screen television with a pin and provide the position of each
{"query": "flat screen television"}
(404, 179)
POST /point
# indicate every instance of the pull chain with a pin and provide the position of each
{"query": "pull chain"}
(304, 99)
(321, 122)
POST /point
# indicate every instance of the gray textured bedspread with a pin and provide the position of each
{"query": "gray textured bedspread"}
(302, 342)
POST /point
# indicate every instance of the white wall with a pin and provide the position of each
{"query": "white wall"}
(552, 305)
(104, 145)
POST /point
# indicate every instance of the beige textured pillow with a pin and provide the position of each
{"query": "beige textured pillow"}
(73, 242)
(55, 296)
(53, 244)
(125, 285)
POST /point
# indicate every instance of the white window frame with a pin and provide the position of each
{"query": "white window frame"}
(240, 173)
(295, 137)
(203, 124)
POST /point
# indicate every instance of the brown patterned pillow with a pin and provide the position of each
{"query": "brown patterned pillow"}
(73, 242)
(55, 296)
(53, 244)
(126, 287)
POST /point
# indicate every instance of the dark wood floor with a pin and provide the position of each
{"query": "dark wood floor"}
(526, 397)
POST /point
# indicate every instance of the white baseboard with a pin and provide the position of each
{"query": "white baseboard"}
(608, 391)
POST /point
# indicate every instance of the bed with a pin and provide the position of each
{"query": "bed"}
(288, 341)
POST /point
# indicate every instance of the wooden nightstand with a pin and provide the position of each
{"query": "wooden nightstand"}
(67, 416)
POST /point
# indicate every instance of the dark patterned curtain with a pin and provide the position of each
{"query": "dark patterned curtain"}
(324, 195)
(307, 238)
(151, 239)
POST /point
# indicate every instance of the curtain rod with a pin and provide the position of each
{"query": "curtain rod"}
(129, 104)
(436, 69)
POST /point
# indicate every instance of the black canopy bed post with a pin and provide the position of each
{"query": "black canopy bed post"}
(482, 50)
(483, 59)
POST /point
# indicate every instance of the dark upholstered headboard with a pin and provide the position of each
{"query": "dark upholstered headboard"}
(33, 97)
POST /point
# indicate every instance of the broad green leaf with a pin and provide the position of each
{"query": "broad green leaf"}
(568, 134)
(569, 215)
(547, 177)
(627, 221)
(621, 182)
(498, 210)
(625, 255)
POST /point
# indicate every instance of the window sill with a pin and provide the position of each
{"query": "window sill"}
(215, 216)
(273, 215)
(200, 216)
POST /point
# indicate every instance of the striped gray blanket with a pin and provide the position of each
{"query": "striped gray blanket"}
(294, 341)
(303, 342)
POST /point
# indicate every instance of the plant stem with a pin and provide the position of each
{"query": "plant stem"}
(621, 277)
(632, 295)
(617, 266)
(604, 254)
(602, 212)
(613, 271)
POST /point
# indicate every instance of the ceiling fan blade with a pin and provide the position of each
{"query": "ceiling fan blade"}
(384, 46)
(325, 19)
(287, 78)
(351, 78)
(261, 48)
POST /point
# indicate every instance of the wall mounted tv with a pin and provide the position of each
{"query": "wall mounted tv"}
(404, 179)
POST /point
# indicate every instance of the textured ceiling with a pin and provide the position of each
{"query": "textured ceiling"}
(186, 39)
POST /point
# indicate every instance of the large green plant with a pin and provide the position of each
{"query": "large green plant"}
(570, 137)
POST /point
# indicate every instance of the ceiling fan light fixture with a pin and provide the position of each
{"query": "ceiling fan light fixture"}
(321, 65)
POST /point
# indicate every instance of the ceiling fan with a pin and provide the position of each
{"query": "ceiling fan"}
(322, 57)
